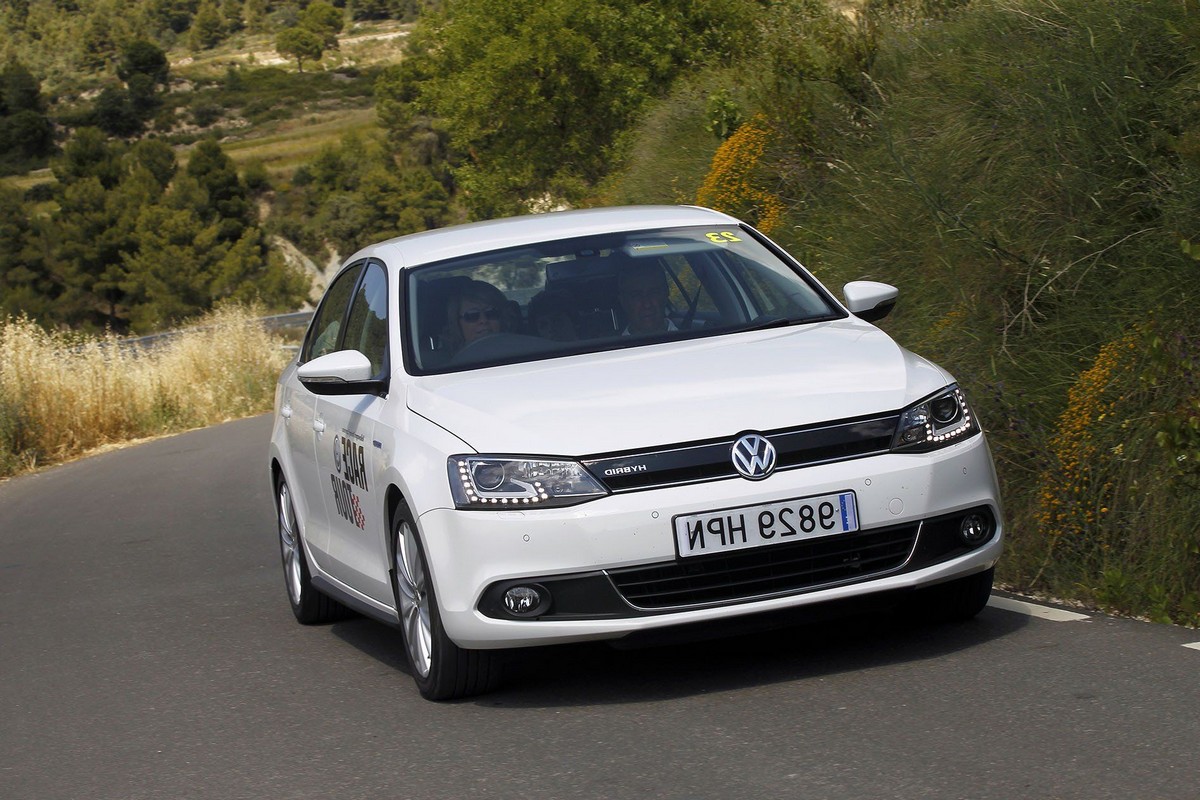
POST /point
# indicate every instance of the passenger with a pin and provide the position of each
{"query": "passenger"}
(642, 293)
(549, 317)
(477, 310)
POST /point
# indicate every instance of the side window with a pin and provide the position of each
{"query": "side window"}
(366, 327)
(327, 324)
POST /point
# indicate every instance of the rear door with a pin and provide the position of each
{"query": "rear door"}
(350, 456)
(305, 433)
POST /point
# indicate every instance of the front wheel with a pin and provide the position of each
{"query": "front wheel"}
(442, 670)
(958, 600)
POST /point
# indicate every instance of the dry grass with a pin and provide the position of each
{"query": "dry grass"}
(362, 45)
(63, 394)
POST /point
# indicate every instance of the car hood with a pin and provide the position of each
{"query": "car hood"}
(678, 391)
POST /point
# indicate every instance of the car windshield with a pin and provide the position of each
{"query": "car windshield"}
(601, 292)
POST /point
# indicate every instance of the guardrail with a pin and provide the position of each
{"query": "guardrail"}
(277, 322)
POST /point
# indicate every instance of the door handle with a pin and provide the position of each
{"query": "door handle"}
(286, 412)
(319, 425)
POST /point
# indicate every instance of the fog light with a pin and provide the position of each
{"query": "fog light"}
(975, 528)
(526, 601)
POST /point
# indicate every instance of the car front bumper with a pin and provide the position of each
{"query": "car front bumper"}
(587, 557)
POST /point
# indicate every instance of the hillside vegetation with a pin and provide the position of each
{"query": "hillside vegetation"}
(1026, 171)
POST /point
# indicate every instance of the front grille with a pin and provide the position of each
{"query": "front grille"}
(763, 571)
(711, 460)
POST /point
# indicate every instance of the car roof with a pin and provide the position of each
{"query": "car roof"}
(480, 237)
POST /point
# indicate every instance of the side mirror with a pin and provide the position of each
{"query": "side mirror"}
(869, 300)
(343, 372)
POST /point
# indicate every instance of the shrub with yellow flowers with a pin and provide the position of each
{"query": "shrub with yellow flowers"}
(1070, 500)
(734, 183)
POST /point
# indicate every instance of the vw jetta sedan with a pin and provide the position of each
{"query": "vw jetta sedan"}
(610, 424)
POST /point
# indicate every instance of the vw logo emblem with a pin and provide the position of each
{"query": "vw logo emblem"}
(337, 454)
(753, 457)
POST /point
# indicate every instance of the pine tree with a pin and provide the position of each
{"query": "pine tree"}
(207, 27)
(26, 285)
(227, 198)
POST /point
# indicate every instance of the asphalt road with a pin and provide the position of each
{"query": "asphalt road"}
(147, 651)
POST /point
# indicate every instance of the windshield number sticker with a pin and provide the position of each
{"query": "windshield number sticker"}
(721, 237)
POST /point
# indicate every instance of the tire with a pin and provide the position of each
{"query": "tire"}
(310, 606)
(441, 669)
(958, 600)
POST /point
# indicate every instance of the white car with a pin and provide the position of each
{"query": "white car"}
(614, 424)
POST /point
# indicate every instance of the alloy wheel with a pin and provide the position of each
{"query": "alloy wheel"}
(414, 600)
(289, 544)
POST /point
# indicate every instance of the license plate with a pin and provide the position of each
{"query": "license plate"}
(761, 526)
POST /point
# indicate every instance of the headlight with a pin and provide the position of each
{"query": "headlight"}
(500, 482)
(938, 421)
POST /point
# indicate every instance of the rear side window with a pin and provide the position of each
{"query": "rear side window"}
(326, 329)
(366, 328)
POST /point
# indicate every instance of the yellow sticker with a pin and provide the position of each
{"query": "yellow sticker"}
(721, 237)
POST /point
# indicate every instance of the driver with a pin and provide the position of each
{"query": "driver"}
(642, 293)
(476, 311)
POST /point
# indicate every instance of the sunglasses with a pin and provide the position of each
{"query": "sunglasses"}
(475, 316)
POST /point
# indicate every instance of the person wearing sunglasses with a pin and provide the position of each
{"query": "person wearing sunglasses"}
(642, 293)
(478, 310)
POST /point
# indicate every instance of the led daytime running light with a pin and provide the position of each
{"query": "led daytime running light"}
(537, 492)
(919, 430)
(479, 481)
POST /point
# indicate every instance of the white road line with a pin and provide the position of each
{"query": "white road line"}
(1193, 645)
(1041, 612)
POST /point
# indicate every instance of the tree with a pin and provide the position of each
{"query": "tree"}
(167, 275)
(157, 158)
(370, 9)
(19, 89)
(250, 272)
(227, 200)
(113, 113)
(26, 286)
(536, 93)
(26, 135)
(143, 57)
(172, 15)
(300, 44)
(207, 27)
(386, 9)
(315, 31)
(90, 155)
(324, 20)
(255, 14)
(231, 15)
(143, 97)
(85, 247)
(98, 45)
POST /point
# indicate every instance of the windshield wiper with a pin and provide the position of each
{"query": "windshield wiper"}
(774, 322)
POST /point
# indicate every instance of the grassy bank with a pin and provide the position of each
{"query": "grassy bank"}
(62, 395)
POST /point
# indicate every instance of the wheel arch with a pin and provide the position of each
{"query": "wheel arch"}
(393, 499)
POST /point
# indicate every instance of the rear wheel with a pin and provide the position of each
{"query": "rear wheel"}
(310, 606)
(442, 670)
(958, 600)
